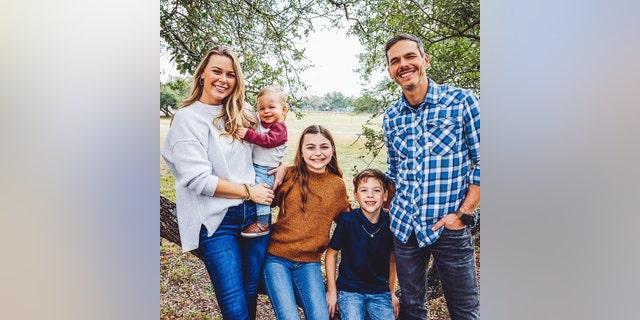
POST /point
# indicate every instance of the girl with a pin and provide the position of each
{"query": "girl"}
(311, 196)
(214, 203)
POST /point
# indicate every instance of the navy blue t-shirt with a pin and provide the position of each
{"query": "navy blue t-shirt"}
(365, 249)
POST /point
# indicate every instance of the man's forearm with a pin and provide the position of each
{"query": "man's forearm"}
(471, 200)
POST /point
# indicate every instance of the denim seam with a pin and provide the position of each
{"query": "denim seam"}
(302, 299)
(244, 213)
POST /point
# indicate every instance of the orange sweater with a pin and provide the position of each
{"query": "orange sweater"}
(304, 236)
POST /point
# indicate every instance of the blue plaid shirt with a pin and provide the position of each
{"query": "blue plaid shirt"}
(430, 152)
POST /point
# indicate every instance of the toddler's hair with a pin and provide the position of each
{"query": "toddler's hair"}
(281, 95)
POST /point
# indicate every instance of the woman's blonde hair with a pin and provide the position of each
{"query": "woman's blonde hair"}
(234, 114)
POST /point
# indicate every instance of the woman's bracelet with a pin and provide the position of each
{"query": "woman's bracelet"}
(246, 189)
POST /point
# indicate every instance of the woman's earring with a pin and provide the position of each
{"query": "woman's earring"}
(201, 82)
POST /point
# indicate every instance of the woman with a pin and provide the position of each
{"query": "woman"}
(311, 196)
(214, 172)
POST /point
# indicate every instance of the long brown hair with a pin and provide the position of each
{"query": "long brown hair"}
(234, 114)
(301, 172)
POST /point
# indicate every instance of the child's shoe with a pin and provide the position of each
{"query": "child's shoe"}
(255, 229)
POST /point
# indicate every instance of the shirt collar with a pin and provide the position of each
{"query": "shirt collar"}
(433, 91)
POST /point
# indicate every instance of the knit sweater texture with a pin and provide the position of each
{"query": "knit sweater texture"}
(304, 236)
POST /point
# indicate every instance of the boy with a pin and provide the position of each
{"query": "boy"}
(270, 141)
(366, 284)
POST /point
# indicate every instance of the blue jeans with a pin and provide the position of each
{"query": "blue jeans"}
(235, 263)
(287, 280)
(263, 177)
(454, 257)
(358, 306)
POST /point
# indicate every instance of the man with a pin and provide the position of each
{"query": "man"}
(432, 135)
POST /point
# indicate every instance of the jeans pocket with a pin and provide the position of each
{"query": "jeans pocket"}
(455, 230)
(456, 234)
(457, 238)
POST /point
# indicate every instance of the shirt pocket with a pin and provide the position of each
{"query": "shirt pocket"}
(444, 135)
(404, 145)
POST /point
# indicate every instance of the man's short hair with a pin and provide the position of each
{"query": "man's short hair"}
(403, 36)
(371, 173)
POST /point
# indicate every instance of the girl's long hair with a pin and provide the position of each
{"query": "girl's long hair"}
(300, 175)
(234, 114)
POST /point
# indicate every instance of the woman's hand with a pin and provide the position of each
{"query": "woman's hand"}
(261, 194)
(279, 174)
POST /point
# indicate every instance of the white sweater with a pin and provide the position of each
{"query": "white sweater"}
(198, 156)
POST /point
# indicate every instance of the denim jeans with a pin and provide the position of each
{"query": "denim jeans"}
(454, 257)
(263, 177)
(358, 306)
(235, 263)
(287, 280)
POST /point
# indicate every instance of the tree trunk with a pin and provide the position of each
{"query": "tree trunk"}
(167, 112)
(169, 231)
(169, 224)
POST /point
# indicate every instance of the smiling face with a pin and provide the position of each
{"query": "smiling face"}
(219, 79)
(406, 65)
(270, 107)
(316, 151)
(370, 194)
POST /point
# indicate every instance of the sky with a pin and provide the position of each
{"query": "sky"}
(334, 55)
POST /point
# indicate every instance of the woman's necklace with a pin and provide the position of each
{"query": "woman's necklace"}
(370, 234)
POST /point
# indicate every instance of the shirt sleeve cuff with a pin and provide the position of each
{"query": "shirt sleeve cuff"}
(475, 176)
(250, 136)
(211, 186)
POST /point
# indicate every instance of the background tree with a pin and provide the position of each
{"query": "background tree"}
(450, 30)
(168, 100)
(315, 103)
(267, 35)
(337, 101)
(172, 93)
(365, 104)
